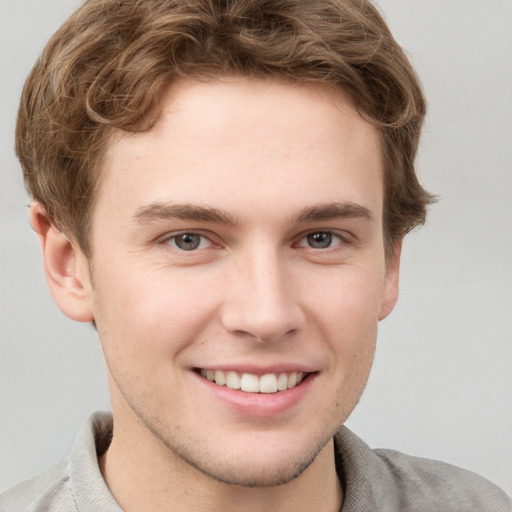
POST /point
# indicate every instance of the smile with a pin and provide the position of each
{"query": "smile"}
(251, 383)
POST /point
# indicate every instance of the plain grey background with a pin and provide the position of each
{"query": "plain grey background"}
(442, 381)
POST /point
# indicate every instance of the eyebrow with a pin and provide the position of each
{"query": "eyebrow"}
(334, 211)
(158, 211)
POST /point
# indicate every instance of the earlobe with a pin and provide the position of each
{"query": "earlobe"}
(65, 267)
(390, 295)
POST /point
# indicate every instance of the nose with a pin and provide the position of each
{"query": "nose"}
(262, 302)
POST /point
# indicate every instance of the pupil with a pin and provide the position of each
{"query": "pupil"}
(188, 242)
(320, 240)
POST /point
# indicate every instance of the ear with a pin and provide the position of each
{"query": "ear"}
(66, 267)
(390, 293)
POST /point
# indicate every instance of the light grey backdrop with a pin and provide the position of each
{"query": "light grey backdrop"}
(442, 382)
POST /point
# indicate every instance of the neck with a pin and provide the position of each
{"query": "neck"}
(150, 477)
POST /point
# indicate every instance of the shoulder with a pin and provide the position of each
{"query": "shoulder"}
(443, 486)
(49, 492)
(74, 484)
(392, 481)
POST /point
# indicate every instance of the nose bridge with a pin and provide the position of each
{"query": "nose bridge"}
(261, 302)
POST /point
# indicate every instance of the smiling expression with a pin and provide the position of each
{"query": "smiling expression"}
(239, 274)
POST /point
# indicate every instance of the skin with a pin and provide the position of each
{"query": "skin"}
(280, 161)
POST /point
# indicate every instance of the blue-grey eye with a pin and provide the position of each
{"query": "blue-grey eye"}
(320, 240)
(187, 241)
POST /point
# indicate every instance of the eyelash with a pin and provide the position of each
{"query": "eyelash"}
(302, 241)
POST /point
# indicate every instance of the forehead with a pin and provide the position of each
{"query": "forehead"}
(242, 143)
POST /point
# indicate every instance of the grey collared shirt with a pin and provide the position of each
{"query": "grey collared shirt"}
(373, 480)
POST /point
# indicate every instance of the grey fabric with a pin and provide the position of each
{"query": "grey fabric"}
(75, 484)
(373, 480)
(389, 481)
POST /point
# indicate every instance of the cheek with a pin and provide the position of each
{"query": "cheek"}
(155, 312)
(348, 301)
(346, 314)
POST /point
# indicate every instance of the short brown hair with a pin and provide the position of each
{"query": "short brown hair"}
(109, 64)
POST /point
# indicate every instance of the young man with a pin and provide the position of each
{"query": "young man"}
(222, 189)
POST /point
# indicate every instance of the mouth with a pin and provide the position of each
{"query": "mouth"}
(252, 383)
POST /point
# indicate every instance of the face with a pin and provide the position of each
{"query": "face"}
(239, 243)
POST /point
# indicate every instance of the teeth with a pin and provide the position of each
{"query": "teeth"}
(268, 383)
(220, 378)
(282, 382)
(233, 380)
(250, 383)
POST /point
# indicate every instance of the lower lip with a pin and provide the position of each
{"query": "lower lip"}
(259, 404)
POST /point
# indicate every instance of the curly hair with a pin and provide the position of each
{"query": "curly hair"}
(110, 63)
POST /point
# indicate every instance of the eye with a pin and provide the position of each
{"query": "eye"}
(188, 241)
(320, 240)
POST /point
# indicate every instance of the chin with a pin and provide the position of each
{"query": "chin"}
(250, 461)
(247, 472)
